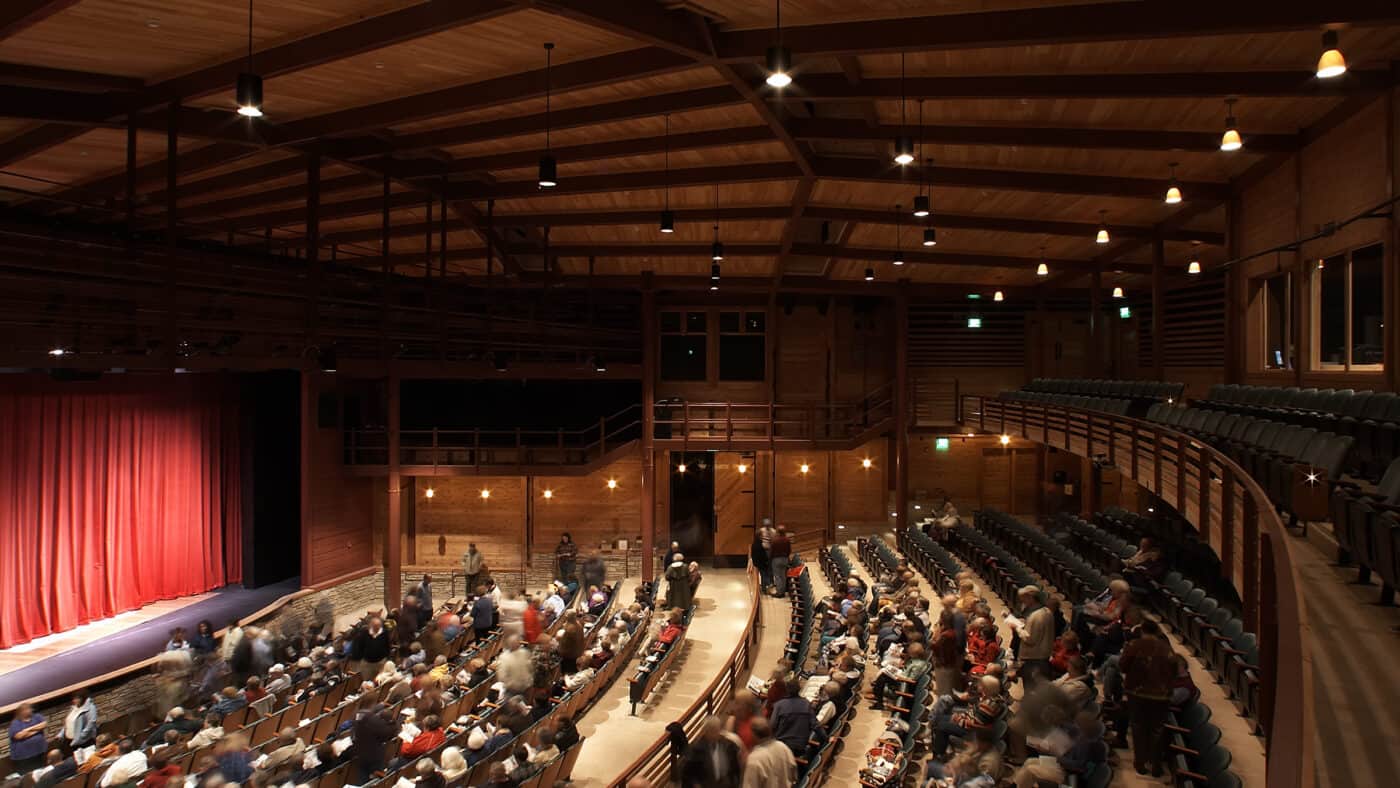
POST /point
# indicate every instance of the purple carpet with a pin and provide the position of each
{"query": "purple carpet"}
(135, 643)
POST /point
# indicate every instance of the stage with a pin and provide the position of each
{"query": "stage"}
(98, 648)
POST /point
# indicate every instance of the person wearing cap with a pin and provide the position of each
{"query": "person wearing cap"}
(277, 679)
(175, 720)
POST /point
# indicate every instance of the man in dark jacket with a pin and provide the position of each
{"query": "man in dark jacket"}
(371, 648)
(793, 720)
(483, 613)
(60, 769)
(1148, 673)
(712, 760)
(372, 731)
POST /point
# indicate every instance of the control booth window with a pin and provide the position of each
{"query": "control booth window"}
(1349, 303)
(742, 349)
(683, 342)
(1277, 292)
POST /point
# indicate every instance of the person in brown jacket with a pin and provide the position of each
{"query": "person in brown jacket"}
(570, 643)
(1148, 672)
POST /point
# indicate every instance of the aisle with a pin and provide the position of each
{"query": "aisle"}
(615, 738)
(867, 724)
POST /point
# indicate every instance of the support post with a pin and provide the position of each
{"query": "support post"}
(1095, 323)
(131, 177)
(901, 403)
(649, 349)
(1159, 262)
(313, 244)
(393, 558)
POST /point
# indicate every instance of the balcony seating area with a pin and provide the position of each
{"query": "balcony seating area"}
(1214, 634)
(1367, 528)
(1371, 418)
(1119, 397)
(1294, 464)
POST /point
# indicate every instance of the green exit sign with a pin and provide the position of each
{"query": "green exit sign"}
(1125, 312)
(940, 444)
(974, 322)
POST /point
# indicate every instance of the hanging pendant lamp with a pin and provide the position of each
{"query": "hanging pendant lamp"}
(549, 168)
(1231, 140)
(249, 91)
(903, 144)
(668, 219)
(779, 58)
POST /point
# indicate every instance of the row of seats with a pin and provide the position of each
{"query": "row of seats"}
(1004, 573)
(1210, 627)
(1152, 390)
(802, 624)
(877, 556)
(1293, 464)
(1365, 523)
(929, 557)
(814, 770)
(1113, 405)
(1179, 542)
(1371, 417)
(1075, 577)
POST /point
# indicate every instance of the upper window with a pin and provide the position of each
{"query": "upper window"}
(683, 343)
(1349, 305)
(1277, 292)
(742, 346)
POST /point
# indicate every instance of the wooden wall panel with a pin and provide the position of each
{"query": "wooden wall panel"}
(336, 530)
(864, 348)
(457, 515)
(800, 499)
(803, 364)
(860, 496)
(587, 509)
(974, 472)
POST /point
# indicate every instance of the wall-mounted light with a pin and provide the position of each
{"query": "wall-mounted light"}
(485, 493)
(612, 484)
(548, 493)
(680, 468)
(805, 468)
(866, 463)
(1005, 440)
(743, 468)
(428, 493)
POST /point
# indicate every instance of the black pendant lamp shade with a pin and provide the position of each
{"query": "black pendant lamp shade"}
(549, 168)
(549, 172)
(930, 236)
(921, 205)
(250, 95)
(668, 221)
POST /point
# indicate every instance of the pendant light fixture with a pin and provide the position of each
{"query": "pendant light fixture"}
(870, 274)
(1102, 236)
(668, 219)
(249, 94)
(903, 144)
(898, 245)
(921, 202)
(779, 58)
(998, 296)
(1231, 140)
(716, 248)
(1117, 292)
(930, 236)
(1331, 63)
(549, 168)
(1194, 267)
(1173, 188)
(1042, 269)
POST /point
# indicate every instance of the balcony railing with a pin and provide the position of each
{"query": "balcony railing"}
(699, 425)
(1233, 514)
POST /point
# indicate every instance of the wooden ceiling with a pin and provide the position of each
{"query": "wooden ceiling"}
(1039, 118)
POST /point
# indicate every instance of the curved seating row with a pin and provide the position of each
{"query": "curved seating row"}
(802, 625)
(929, 557)
(1292, 463)
(1153, 390)
(1003, 572)
(1371, 417)
(814, 769)
(1113, 405)
(1075, 577)
(1365, 523)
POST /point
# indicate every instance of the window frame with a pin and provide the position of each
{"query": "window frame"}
(1314, 285)
(1290, 352)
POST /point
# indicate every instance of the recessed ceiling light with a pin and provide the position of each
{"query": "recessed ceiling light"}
(153, 23)
(379, 64)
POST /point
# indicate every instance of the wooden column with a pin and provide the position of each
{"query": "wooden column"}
(1298, 277)
(393, 558)
(308, 426)
(1095, 323)
(1159, 262)
(649, 350)
(1392, 176)
(131, 177)
(313, 244)
(1236, 300)
(901, 402)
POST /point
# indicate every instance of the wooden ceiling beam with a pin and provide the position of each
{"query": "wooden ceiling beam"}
(840, 130)
(16, 15)
(647, 22)
(934, 258)
(65, 79)
(627, 181)
(1188, 85)
(1059, 25)
(880, 171)
(1010, 224)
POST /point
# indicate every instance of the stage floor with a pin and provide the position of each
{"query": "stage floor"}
(100, 647)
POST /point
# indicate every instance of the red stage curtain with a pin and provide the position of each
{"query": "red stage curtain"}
(114, 494)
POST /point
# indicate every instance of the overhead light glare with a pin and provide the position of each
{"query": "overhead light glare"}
(1231, 140)
(250, 95)
(903, 150)
(1331, 63)
(1042, 269)
(779, 66)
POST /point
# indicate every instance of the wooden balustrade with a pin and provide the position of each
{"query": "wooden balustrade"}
(654, 765)
(1233, 515)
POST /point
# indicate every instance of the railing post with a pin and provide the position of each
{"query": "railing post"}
(1203, 505)
(1227, 524)
(1267, 629)
(1133, 449)
(1089, 435)
(1157, 462)
(1249, 585)
(1181, 474)
(729, 421)
(476, 448)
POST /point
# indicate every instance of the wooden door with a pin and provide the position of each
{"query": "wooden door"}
(736, 508)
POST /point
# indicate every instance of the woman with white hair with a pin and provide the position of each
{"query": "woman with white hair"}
(1106, 608)
(454, 765)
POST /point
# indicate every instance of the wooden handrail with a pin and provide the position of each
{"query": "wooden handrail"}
(655, 764)
(1233, 515)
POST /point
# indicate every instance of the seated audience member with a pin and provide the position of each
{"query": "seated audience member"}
(160, 773)
(103, 750)
(1147, 564)
(212, 731)
(427, 775)
(56, 769)
(906, 668)
(565, 733)
(1076, 683)
(130, 764)
(227, 701)
(428, 739)
(234, 758)
(285, 749)
(978, 765)
(1066, 646)
(453, 764)
(1086, 752)
(948, 719)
